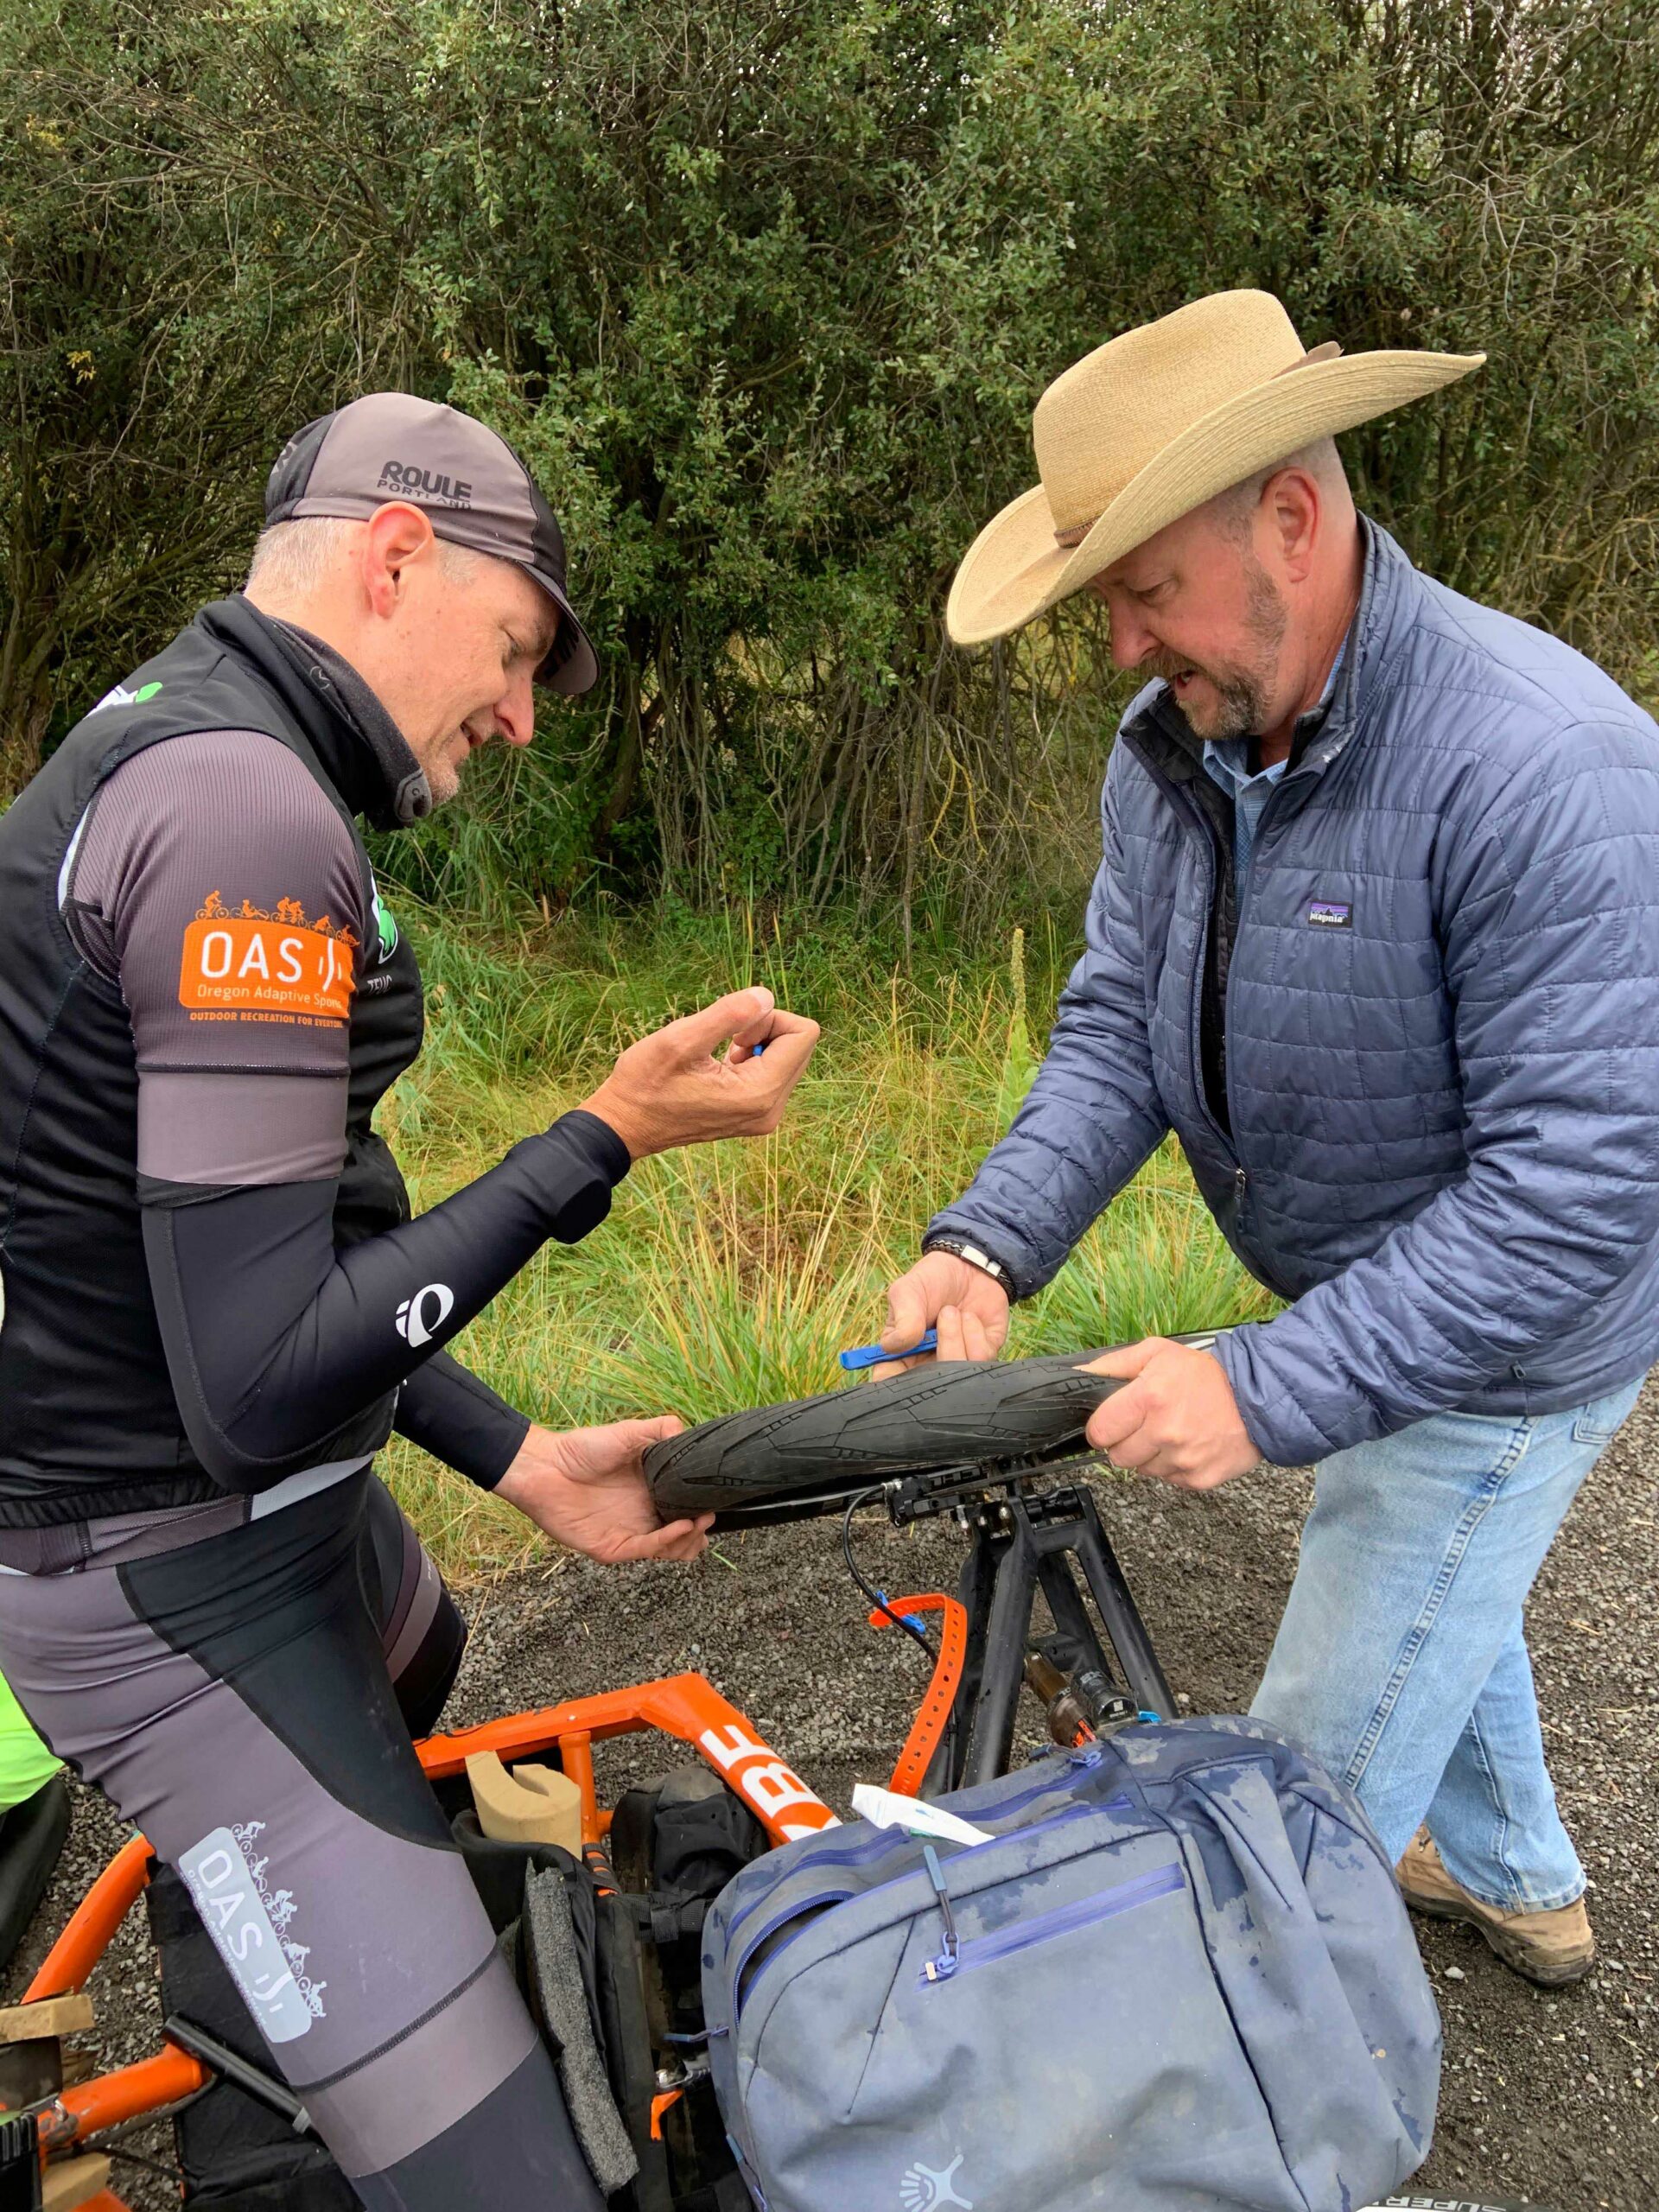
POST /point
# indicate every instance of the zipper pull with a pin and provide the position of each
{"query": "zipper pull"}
(944, 1966)
(1240, 1182)
(750, 2179)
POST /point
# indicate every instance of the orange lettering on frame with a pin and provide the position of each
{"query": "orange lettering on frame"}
(254, 965)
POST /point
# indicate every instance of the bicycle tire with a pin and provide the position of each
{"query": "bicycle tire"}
(948, 1414)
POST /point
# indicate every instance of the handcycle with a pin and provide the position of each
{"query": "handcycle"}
(991, 1448)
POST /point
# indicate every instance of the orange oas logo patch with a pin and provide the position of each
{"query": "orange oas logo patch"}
(268, 966)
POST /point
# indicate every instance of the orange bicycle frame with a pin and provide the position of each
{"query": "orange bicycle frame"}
(685, 1706)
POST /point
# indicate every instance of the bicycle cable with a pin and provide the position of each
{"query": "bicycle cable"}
(899, 1620)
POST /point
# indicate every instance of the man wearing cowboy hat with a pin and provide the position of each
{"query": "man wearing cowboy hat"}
(1376, 934)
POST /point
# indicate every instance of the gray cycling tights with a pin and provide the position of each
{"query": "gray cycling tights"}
(225, 1676)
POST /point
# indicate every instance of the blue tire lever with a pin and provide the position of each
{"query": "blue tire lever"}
(861, 1355)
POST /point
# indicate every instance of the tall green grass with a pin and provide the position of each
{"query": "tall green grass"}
(732, 1274)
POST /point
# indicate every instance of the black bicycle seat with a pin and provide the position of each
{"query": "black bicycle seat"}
(946, 1414)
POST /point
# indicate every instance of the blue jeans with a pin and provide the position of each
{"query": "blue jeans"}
(1401, 1660)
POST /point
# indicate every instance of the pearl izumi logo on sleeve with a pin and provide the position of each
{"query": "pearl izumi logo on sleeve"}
(420, 1317)
(120, 696)
(249, 965)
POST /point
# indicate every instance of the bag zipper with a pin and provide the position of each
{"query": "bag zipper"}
(853, 1854)
(819, 1901)
(1046, 1927)
(741, 1994)
(1085, 1757)
(941, 1969)
(751, 2179)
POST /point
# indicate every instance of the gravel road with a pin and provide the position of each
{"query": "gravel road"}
(1550, 2098)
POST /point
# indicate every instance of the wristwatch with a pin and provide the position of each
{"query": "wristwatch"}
(976, 1258)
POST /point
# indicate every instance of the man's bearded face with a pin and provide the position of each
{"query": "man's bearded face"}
(1195, 607)
(1224, 697)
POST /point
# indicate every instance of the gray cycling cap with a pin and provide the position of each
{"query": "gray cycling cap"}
(470, 484)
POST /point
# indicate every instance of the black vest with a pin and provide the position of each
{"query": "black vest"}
(88, 1421)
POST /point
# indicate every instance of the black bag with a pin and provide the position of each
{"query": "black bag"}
(638, 1910)
(674, 1842)
(683, 1832)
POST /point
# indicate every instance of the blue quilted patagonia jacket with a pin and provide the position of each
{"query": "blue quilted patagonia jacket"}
(1441, 1032)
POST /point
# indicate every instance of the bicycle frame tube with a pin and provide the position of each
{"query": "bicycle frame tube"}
(685, 1705)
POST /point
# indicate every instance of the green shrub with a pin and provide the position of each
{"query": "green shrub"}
(765, 289)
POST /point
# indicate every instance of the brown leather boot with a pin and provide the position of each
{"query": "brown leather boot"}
(1547, 1947)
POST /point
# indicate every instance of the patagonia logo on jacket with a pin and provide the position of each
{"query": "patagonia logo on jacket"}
(1329, 914)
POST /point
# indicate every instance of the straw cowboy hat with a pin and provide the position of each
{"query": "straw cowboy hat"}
(1153, 423)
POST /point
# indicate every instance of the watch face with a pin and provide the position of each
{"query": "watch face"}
(960, 1248)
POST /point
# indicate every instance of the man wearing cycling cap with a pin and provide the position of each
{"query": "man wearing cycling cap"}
(218, 1307)
(1376, 935)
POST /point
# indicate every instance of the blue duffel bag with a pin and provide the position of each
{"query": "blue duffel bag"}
(1178, 1978)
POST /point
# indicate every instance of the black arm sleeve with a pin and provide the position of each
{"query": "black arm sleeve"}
(274, 1339)
(445, 1409)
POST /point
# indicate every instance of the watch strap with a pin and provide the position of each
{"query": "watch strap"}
(976, 1257)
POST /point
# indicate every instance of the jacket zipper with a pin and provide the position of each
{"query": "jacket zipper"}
(1047, 1927)
(1241, 903)
(1227, 1144)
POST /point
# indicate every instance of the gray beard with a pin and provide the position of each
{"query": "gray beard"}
(1241, 710)
(1241, 702)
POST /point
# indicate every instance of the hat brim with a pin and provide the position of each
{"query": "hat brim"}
(1013, 571)
(572, 666)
